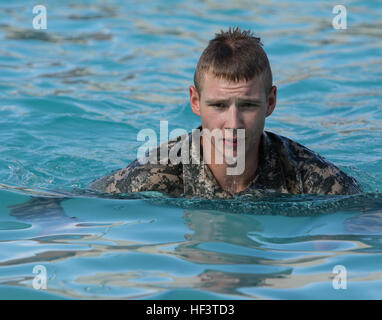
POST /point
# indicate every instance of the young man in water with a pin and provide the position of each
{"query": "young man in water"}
(232, 91)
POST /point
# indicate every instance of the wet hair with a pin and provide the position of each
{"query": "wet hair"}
(234, 55)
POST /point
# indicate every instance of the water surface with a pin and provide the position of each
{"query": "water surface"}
(73, 98)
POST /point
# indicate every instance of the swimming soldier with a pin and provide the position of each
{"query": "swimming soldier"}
(233, 90)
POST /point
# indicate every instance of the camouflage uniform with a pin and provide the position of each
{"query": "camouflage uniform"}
(284, 166)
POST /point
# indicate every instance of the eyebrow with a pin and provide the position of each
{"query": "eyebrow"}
(216, 101)
(254, 101)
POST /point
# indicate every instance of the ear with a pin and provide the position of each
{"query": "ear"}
(194, 100)
(271, 101)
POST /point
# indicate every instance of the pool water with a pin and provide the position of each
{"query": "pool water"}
(74, 97)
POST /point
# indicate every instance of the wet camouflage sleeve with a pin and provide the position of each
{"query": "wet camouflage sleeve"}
(289, 167)
(325, 178)
(137, 178)
(152, 176)
(320, 176)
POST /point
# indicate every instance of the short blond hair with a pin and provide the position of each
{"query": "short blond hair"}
(234, 55)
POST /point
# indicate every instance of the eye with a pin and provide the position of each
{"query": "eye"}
(218, 105)
(248, 105)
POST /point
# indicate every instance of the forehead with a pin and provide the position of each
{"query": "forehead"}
(214, 87)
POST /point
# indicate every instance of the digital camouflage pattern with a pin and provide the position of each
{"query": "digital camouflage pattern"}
(284, 166)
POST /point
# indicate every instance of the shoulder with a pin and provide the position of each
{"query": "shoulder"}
(317, 174)
(142, 175)
(292, 150)
(150, 173)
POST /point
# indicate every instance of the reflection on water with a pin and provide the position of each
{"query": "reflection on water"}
(226, 254)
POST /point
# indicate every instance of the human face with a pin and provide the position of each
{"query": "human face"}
(234, 105)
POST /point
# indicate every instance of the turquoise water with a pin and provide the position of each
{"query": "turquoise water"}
(73, 98)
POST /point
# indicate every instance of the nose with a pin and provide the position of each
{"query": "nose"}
(233, 118)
